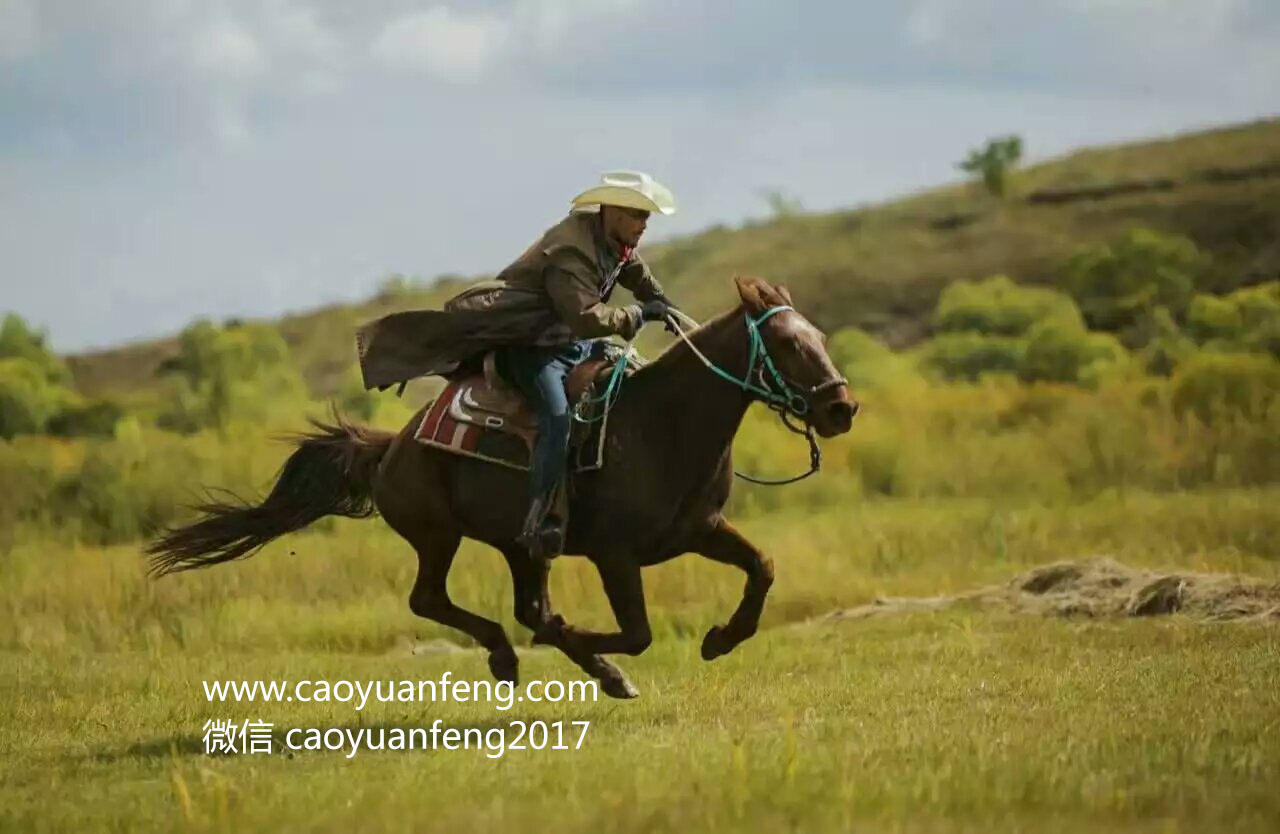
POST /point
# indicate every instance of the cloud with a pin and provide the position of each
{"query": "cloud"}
(523, 39)
(99, 67)
(230, 126)
(298, 29)
(19, 31)
(1201, 47)
(160, 156)
(224, 48)
(443, 43)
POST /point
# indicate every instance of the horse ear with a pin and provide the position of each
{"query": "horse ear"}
(784, 294)
(751, 289)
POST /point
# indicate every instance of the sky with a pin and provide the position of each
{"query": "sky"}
(166, 160)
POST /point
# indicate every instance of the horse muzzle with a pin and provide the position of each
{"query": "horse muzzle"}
(835, 416)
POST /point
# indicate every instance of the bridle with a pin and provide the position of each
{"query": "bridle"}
(763, 380)
(766, 382)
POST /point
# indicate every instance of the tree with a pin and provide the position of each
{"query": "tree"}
(994, 162)
(780, 203)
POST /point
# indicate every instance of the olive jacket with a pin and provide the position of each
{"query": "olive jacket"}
(555, 293)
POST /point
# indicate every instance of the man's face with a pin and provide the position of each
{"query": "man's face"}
(624, 225)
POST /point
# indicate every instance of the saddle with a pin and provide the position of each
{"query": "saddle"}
(479, 415)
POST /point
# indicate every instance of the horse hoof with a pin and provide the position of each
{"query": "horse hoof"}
(619, 687)
(713, 645)
(504, 666)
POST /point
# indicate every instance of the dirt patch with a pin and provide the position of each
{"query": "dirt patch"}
(1102, 588)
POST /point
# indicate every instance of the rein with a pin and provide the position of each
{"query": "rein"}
(787, 399)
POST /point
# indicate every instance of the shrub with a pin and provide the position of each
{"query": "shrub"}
(221, 375)
(1212, 317)
(1167, 347)
(1062, 350)
(1117, 284)
(866, 361)
(19, 341)
(998, 307)
(353, 399)
(1247, 319)
(95, 418)
(968, 355)
(27, 398)
(1215, 386)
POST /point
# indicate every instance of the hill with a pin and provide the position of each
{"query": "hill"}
(881, 267)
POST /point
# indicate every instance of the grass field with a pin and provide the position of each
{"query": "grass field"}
(955, 721)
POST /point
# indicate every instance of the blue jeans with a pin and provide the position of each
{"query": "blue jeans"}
(539, 373)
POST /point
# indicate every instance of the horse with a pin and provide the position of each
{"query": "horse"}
(667, 476)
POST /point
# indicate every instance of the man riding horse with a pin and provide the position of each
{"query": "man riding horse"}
(541, 315)
(670, 471)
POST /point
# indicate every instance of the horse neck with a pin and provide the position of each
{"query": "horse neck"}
(700, 410)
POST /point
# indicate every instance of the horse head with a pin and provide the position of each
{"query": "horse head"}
(794, 365)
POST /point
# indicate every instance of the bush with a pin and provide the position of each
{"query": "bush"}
(1117, 284)
(19, 341)
(1062, 350)
(27, 478)
(998, 307)
(1216, 386)
(1167, 347)
(1247, 319)
(221, 375)
(27, 398)
(1211, 317)
(968, 355)
(353, 399)
(96, 418)
(866, 361)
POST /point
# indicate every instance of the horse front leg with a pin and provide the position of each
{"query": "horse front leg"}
(723, 543)
(622, 584)
(533, 610)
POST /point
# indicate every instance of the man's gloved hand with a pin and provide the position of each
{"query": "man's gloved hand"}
(654, 310)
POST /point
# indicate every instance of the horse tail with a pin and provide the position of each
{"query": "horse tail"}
(330, 473)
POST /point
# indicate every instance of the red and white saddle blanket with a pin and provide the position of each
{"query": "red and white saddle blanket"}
(475, 418)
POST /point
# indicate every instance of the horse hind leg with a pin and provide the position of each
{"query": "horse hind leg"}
(430, 599)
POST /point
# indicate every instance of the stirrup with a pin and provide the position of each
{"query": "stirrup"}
(544, 542)
(542, 534)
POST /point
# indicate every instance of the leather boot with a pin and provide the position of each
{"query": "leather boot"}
(542, 533)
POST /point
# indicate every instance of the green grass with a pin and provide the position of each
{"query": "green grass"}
(953, 721)
(347, 590)
(947, 723)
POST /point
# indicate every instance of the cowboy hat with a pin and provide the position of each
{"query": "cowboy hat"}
(629, 189)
